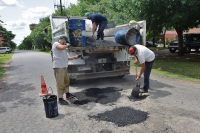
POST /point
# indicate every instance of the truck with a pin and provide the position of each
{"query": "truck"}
(99, 58)
(190, 41)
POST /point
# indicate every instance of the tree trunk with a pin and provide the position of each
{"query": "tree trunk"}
(180, 42)
(153, 41)
(164, 38)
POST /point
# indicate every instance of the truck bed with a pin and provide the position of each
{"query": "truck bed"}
(100, 45)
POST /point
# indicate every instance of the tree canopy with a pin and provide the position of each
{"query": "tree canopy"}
(179, 14)
(8, 36)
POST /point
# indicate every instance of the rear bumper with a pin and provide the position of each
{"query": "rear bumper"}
(99, 74)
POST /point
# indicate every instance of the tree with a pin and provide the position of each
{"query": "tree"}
(179, 14)
(38, 36)
(8, 36)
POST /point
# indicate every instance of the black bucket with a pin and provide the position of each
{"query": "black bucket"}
(128, 37)
(50, 106)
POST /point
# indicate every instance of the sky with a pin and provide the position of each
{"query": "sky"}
(18, 14)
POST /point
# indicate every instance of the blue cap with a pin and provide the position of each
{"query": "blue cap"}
(66, 38)
(87, 14)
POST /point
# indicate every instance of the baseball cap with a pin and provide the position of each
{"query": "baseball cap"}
(87, 14)
(66, 38)
(132, 50)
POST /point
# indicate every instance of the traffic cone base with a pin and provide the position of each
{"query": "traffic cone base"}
(41, 94)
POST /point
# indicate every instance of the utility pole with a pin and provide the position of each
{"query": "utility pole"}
(61, 6)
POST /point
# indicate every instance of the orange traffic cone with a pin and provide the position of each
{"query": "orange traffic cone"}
(44, 88)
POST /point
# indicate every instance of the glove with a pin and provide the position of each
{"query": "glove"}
(68, 45)
(78, 56)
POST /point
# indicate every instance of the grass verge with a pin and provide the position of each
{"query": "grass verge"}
(44, 51)
(3, 59)
(185, 67)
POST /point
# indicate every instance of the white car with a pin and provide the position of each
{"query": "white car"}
(5, 50)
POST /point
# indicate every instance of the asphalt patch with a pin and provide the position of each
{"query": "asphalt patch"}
(122, 116)
(98, 95)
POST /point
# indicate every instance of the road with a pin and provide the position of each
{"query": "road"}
(172, 105)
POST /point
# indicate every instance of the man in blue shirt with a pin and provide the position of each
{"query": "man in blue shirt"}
(97, 20)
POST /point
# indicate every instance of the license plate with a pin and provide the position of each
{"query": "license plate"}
(102, 60)
(83, 68)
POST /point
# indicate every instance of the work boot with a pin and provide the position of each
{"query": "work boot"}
(98, 37)
(69, 96)
(143, 90)
(102, 37)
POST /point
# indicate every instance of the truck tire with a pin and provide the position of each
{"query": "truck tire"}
(7, 52)
(187, 49)
(172, 51)
(197, 49)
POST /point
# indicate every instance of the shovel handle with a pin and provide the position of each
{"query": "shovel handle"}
(136, 69)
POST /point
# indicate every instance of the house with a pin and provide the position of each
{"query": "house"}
(172, 35)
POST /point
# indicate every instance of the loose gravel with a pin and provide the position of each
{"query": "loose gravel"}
(122, 116)
(101, 43)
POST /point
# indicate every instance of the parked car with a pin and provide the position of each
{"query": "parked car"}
(150, 44)
(190, 41)
(5, 50)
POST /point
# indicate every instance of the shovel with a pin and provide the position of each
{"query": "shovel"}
(136, 89)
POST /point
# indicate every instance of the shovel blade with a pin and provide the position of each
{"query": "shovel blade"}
(135, 92)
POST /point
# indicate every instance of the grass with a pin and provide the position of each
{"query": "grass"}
(44, 51)
(183, 67)
(3, 59)
(160, 47)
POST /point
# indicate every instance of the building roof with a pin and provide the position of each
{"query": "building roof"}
(194, 30)
(171, 32)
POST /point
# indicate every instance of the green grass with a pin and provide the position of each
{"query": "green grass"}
(183, 67)
(44, 51)
(3, 59)
(158, 48)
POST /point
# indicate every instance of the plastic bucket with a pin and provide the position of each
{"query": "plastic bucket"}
(77, 23)
(76, 37)
(76, 27)
(127, 36)
(51, 106)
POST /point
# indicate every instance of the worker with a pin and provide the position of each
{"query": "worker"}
(97, 20)
(146, 58)
(60, 64)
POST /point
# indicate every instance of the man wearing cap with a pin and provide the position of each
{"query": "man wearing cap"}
(97, 20)
(146, 58)
(60, 63)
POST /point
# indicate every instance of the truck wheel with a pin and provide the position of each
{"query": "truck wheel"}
(197, 49)
(72, 81)
(7, 52)
(172, 51)
(187, 49)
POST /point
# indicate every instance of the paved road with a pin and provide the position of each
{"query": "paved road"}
(172, 105)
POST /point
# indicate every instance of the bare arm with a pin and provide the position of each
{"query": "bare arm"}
(141, 71)
(94, 27)
(72, 57)
(62, 47)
